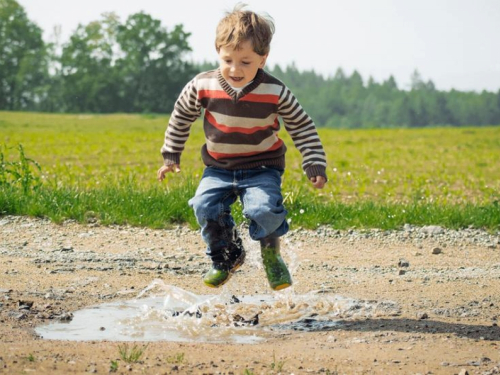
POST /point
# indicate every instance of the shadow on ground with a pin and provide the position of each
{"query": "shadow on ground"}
(491, 333)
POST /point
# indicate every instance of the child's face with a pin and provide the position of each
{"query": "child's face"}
(239, 66)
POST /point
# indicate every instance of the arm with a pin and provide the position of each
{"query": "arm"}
(187, 109)
(305, 137)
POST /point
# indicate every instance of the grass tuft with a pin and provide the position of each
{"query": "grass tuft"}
(177, 358)
(113, 367)
(131, 354)
(277, 365)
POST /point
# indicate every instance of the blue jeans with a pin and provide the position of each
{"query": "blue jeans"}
(260, 193)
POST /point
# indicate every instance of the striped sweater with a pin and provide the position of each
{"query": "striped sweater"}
(241, 128)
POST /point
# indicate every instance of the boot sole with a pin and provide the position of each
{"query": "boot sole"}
(282, 286)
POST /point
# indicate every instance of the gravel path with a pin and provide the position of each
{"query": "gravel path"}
(434, 297)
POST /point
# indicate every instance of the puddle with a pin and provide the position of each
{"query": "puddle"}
(167, 313)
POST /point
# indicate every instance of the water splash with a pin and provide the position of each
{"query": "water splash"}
(164, 312)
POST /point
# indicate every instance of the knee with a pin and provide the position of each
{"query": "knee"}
(263, 210)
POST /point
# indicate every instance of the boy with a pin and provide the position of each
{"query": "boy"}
(243, 155)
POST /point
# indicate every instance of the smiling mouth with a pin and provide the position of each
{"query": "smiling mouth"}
(237, 79)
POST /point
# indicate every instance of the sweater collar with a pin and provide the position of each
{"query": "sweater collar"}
(259, 77)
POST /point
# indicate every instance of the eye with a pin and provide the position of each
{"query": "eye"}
(245, 63)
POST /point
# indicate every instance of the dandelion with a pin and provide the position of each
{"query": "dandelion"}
(335, 169)
(289, 221)
(301, 211)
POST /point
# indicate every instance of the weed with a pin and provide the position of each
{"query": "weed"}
(113, 367)
(131, 355)
(19, 173)
(31, 358)
(176, 358)
(248, 372)
(277, 365)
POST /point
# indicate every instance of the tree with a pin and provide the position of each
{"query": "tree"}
(152, 65)
(417, 82)
(23, 58)
(89, 79)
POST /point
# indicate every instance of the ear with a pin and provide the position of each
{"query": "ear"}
(263, 61)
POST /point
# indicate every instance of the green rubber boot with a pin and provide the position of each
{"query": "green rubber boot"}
(220, 273)
(277, 273)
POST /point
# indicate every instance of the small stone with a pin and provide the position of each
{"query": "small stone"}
(65, 317)
(474, 363)
(20, 316)
(403, 263)
(24, 305)
(401, 272)
(422, 316)
(463, 372)
(432, 230)
(407, 227)
(436, 251)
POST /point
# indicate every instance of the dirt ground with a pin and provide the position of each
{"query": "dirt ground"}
(447, 295)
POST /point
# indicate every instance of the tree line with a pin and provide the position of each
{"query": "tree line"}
(139, 66)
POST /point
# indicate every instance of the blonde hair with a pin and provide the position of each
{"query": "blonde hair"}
(242, 25)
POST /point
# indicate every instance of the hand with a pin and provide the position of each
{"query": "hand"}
(318, 182)
(165, 169)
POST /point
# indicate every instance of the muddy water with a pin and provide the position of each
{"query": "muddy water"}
(167, 313)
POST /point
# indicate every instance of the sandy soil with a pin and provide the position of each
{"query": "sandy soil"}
(448, 304)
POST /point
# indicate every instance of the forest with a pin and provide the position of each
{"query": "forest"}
(140, 66)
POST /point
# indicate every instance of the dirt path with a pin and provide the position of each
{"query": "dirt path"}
(443, 293)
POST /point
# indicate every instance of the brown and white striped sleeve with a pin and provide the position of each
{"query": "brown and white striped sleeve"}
(187, 109)
(304, 134)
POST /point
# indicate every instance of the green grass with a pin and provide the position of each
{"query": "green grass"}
(177, 358)
(131, 354)
(103, 167)
(113, 367)
(277, 365)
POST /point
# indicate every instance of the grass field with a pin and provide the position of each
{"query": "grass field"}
(99, 165)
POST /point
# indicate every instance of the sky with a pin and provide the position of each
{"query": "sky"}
(454, 43)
